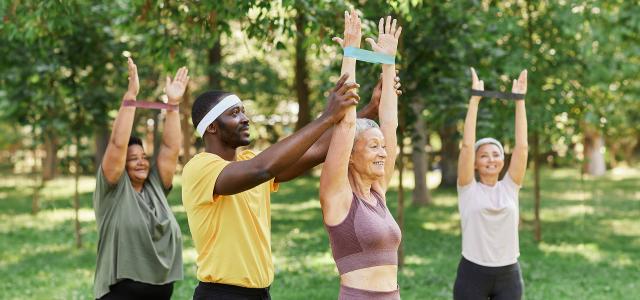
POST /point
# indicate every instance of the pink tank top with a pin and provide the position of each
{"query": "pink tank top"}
(367, 237)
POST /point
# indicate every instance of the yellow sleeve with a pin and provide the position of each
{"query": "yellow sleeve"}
(200, 179)
(248, 154)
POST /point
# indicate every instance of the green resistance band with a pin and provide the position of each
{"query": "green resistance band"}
(369, 56)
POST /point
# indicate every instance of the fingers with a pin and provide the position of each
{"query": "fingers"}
(481, 85)
(341, 81)
(397, 34)
(346, 87)
(381, 27)
(352, 95)
(347, 19)
(393, 27)
(168, 82)
(373, 44)
(338, 40)
(387, 26)
(474, 76)
(397, 85)
(398, 92)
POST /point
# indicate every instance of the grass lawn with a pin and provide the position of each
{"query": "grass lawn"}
(590, 248)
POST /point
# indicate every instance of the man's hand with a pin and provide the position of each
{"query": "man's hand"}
(175, 88)
(134, 83)
(352, 31)
(341, 97)
(370, 111)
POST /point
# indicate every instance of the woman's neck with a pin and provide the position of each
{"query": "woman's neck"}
(360, 185)
(489, 180)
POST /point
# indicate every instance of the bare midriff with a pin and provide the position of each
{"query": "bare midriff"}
(378, 278)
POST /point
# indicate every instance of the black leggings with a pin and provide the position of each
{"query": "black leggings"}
(128, 289)
(218, 291)
(479, 282)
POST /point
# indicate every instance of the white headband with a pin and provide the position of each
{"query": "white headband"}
(493, 141)
(216, 111)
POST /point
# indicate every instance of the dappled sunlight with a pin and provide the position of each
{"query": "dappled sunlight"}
(566, 212)
(319, 261)
(569, 195)
(410, 259)
(433, 179)
(445, 227)
(178, 209)
(624, 227)
(189, 255)
(65, 186)
(590, 251)
(296, 207)
(44, 220)
(621, 173)
(25, 252)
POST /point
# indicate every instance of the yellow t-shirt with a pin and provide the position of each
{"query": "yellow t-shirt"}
(232, 234)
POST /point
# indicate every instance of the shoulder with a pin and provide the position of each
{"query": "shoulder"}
(246, 154)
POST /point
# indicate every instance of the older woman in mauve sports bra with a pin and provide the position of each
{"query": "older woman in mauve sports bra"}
(363, 234)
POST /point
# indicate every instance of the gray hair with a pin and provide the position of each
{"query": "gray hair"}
(492, 141)
(362, 125)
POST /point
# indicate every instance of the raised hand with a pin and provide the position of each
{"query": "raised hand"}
(352, 30)
(175, 88)
(341, 97)
(388, 36)
(134, 83)
(476, 83)
(520, 85)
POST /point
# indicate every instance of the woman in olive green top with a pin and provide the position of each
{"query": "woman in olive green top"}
(140, 244)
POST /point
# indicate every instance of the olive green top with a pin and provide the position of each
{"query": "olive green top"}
(138, 236)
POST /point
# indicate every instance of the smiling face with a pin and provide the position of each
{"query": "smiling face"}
(489, 160)
(137, 164)
(369, 154)
(233, 126)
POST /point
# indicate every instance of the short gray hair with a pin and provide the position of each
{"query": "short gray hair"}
(492, 141)
(362, 125)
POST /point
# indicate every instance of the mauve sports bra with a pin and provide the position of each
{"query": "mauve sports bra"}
(367, 237)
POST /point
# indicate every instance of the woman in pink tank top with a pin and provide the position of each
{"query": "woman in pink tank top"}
(364, 236)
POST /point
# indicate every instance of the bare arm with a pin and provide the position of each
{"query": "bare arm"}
(318, 152)
(466, 160)
(243, 175)
(518, 164)
(335, 190)
(172, 135)
(388, 35)
(113, 161)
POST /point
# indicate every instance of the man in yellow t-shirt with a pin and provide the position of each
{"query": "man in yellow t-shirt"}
(227, 195)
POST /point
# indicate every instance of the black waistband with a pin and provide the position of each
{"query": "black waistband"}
(234, 289)
(489, 270)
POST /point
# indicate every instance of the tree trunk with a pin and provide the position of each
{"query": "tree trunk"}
(536, 185)
(449, 155)
(302, 73)
(102, 135)
(157, 137)
(400, 212)
(215, 58)
(593, 158)
(76, 195)
(38, 183)
(50, 160)
(421, 195)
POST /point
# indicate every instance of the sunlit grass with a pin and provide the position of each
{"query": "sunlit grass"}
(590, 248)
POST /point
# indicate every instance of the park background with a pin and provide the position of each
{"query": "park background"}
(63, 73)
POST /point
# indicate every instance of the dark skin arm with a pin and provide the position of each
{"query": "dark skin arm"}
(240, 176)
(317, 153)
